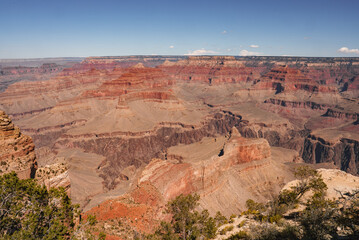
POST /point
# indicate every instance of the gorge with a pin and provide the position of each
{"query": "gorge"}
(229, 128)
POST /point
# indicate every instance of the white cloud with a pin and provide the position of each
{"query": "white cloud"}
(224, 32)
(201, 52)
(347, 50)
(248, 53)
(172, 46)
(254, 46)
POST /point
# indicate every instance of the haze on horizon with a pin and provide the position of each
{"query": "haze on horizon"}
(79, 28)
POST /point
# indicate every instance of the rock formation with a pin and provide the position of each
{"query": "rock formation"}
(12, 71)
(113, 115)
(225, 171)
(16, 150)
(213, 70)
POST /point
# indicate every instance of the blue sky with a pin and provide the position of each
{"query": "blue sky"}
(74, 28)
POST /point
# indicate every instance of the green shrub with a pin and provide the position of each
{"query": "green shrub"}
(101, 236)
(92, 220)
(186, 223)
(231, 218)
(242, 223)
(226, 229)
(220, 219)
(32, 211)
(239, 235)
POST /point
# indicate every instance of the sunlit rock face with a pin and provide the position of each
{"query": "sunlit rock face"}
(16, 150)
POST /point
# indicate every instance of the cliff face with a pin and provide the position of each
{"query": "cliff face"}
(344, 153)
(208, 174)
(16, 150)
(136, 83)
(213, 70)
(225, 171)
(285, 78)
(139, 148)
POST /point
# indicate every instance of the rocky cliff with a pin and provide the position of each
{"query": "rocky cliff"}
(16, 150)
(213, 70)
(343, 152)
(225, 171)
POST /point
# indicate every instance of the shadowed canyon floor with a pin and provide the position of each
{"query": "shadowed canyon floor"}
(149, 128)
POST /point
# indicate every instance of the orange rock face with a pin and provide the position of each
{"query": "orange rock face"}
(16, 150)
(248, 151)
(142, 209)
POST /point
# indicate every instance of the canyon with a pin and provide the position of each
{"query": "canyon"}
(130, 133)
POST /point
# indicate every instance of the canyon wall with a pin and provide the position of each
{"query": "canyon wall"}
(122, 112)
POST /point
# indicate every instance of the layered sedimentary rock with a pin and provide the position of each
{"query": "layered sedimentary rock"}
(133, 83)
(16, 150)
(28, 98)
(111, 63)
(12, 71)
(342, 150)
(205, 173)
(118, 113)
(213, 70)
(43, 69)
(125, 149)
(288, 79)
(225, 171)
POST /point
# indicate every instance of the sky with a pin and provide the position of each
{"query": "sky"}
(82, 28)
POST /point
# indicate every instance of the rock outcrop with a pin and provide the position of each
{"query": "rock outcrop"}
(343, 152)
(337, 181)
(225, 171)
(142, 210)
(16, 150)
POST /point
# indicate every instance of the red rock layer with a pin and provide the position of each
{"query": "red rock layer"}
(341, 114)
(248, 151)
(293, 104)
(142, 209)
(285, 78)
(213, 70)
(137, 83)
(16, 150)
(334, 74)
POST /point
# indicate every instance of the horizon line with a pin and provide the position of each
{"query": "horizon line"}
(165, 55)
